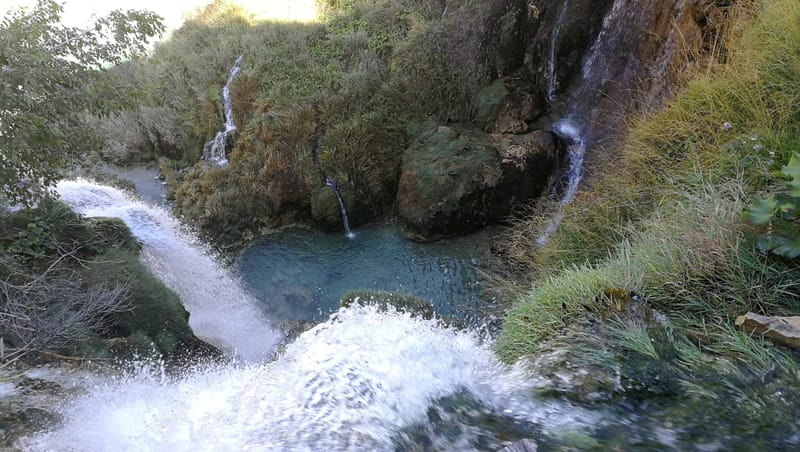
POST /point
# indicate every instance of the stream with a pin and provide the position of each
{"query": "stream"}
(362, 378)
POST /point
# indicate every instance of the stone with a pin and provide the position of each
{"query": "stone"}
(781, 330)
(559, 373)
(453, 182)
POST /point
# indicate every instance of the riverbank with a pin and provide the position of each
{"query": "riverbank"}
(657, 251)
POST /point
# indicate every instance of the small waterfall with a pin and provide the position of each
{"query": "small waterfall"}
(331, 182)
(364, 380)
(551, 66)
(576, 151)
(221, 312)
(215, 149)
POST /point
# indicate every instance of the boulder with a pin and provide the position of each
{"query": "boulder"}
(557, 372)
(781, 330)
(456, 182)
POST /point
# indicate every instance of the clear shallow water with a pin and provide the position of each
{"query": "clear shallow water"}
(302, 275)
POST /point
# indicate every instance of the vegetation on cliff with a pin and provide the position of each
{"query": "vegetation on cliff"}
(342, 98)
(53, 77)
(76, 286)
(661, 229)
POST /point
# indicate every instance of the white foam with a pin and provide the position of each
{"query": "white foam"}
(352, 383)
(222, 312)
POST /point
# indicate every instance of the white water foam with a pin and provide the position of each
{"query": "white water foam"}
(576, 151)
(221, 312)
(355, 382)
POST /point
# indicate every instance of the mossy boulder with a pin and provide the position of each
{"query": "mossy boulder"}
(327, 214)
(456, 182)
(325, 207)
(406, 303)
(507, 106)
(156, 321)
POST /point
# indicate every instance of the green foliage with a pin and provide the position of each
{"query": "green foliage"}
(156, 312)
(335, 98)
(52, 75)
(663, 218)
(779, 212)
(66, 282)
(35, 234)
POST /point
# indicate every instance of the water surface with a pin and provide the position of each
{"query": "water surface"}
(302, 275)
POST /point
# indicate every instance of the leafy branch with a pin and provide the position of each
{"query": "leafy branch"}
(780, 213)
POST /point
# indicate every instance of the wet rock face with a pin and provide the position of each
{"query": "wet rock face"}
(455, 182)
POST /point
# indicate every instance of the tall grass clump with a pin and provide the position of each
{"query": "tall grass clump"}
(664, 218)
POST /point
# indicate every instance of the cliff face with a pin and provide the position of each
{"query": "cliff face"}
(351, 98)
(595, 57)
(571, 66)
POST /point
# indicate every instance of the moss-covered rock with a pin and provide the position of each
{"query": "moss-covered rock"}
(406, 303)
(455, 182)
(155, 311)
(112, 233)
(489, 103)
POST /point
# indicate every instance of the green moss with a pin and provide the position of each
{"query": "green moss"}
(445, 155)
(489, 103)
(156, 312)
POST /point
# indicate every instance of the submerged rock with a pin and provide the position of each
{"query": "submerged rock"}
(525, 445)
(782, 330)
(558, 372)
(456, 182)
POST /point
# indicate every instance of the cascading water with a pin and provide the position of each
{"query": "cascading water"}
(364, 380)
(569, 128)
(576, 151)
(331, 182)
(222, 313)
(551, 66)
(215, 149)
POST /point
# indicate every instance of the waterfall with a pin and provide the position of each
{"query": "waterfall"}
(576, 150)
(595, 72)
(215, 149)
(364, 380)
(331, 182)
(221, 312)
(551, 66)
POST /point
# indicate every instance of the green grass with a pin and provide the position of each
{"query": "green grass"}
(664, 218)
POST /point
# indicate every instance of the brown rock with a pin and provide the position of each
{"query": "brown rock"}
(782, 330)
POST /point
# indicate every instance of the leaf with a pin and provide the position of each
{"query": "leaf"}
(792, 169)
(763, 210)
(789, 248)
(768, 242)
(794, 188)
